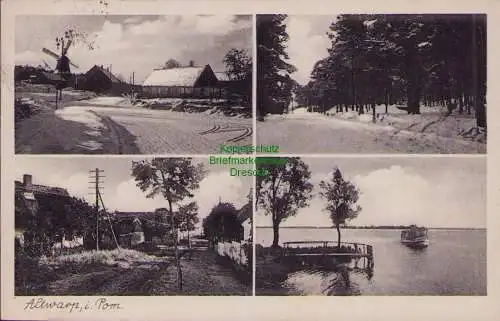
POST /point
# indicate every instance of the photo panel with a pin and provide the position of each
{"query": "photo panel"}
(171, 159)
(371, 226)
(131, 227)
(372, 83)
(132, 84)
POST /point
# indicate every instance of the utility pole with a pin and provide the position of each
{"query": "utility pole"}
(97, 185)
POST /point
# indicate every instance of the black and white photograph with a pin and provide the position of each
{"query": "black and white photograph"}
(131, 227)
(372, 83)
(372, 226)
(138, 84)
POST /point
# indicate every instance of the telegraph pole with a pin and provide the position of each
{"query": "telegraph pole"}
(95, 175)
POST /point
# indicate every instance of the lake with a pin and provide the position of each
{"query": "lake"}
(453, 264)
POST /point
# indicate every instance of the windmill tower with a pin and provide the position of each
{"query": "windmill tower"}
(63, 65)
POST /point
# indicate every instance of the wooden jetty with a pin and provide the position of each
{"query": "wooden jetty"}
(327, 252)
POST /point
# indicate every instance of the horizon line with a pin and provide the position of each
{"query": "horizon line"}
(374, 226)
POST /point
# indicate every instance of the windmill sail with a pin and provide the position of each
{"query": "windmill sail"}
(72, 64)
(46, 64)
(50, 53)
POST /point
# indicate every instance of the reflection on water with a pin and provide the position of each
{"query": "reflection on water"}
(329, 280)
(453, 264)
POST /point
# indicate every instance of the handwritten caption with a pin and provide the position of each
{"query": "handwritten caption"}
(100, 304)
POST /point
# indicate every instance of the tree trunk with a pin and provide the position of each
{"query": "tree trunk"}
(338, 237)
(176, 247)
(374, 120)
(413, 86)
(62, 245)
(276, 233)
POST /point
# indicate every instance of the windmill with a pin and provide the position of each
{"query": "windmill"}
(62, 69)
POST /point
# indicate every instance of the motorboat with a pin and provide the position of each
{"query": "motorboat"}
(415, 237)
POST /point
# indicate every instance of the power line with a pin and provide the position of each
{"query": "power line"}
(110, 223)
(95, 179)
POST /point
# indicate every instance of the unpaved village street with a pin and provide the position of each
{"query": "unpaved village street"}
(112, 125)
(202, 275)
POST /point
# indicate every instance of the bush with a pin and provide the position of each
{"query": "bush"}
(31, 277)
(105, 257)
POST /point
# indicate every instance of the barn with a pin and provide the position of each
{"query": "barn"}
(100, 80)
(183, 82)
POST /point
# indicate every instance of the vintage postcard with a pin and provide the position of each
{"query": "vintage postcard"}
(249, 160)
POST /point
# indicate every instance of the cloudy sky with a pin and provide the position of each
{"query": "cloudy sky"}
(135, 43)
(120, 192)
(308, 42)
(434, 192)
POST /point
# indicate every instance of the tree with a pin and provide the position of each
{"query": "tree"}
(188, 218)
(274, 84)
(222, 224)
(174, 179)
(399, 58)
(238, 64)
(286, 189)
(239, 70)
(341, 200)
(158, 226)
(171, 64)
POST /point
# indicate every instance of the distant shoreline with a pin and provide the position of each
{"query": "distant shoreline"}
(372, 228)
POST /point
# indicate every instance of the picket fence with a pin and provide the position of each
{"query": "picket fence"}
(233, 250)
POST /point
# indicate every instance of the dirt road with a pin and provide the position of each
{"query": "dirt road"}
(202, 275)
(110, 125)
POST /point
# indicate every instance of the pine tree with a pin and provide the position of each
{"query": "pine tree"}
(274, 84)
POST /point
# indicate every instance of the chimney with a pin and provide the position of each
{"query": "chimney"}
(191, 63)
(27, 181)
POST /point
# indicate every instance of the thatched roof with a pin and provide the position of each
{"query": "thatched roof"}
(222, 76)
(182, 77)
(40, 189)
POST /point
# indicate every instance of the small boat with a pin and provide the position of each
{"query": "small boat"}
(415, 237)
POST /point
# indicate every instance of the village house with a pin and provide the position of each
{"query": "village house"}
(136, 228)
(129, 227)
(245, 217)
(102, 81)
(27, 198)
(183, 82)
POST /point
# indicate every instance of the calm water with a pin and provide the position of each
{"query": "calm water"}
(453, 264)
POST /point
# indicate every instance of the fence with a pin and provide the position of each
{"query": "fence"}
(180, 92)
(37, 248)
(234, 250)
